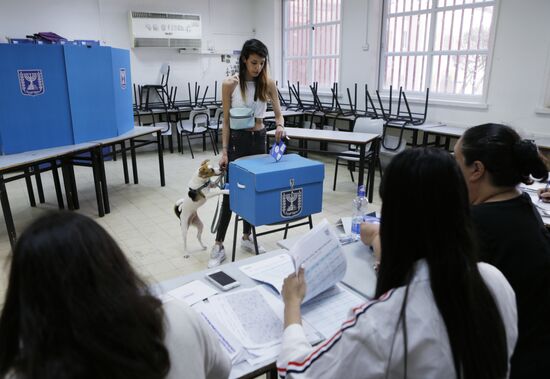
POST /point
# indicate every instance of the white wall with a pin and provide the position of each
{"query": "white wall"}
(519, 75)
(226, 24)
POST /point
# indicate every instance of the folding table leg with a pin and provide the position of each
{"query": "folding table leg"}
(39, 186)
(8, 218)
(133, 156)
(67, 184)
(30, 190)
(97, 182)
(102, 177)
(72, 182)
(57, 185)
(161, 160)
(124, 161)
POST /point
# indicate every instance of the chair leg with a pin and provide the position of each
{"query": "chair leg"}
(190, 148)
(335, 175)
(214, 147)
(204, 141)
(351, 168)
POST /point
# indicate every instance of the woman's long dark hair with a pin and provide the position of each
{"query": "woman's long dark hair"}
(254, 46)
(75, 308)
(508, 159)
(425, 215)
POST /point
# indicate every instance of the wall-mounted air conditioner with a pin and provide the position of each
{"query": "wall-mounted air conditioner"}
(154, 29)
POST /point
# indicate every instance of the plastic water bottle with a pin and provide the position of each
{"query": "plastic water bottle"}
(359, 209)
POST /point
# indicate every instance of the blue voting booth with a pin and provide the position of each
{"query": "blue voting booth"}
(263, 191)
(54, 95)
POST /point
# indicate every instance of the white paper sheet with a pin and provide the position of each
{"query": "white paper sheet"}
(329, 310)
(249, 314)
(193, 292)
(320, 253)
(272, 271)
(227, 340)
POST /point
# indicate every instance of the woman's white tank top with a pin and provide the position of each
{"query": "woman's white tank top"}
(237, 100)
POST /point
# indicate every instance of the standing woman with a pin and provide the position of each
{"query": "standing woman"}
(510, 231)
(76, 309)
(244, 101)
(438, 313)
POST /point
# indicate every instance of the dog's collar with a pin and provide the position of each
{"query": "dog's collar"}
(201, 187)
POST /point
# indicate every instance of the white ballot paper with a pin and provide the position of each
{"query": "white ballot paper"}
(193, 292)
(319, 251)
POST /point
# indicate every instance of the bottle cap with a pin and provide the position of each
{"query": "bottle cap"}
(361, 191)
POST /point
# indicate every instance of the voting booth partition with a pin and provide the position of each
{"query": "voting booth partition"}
(55, 95)
(263, 191)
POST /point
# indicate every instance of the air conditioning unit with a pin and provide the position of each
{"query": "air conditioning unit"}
(153, 29)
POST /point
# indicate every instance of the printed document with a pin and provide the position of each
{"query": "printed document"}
(319, 252)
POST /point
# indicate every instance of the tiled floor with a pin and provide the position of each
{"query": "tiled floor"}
(142, 219)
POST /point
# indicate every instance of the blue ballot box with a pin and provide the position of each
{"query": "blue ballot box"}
(264, 191)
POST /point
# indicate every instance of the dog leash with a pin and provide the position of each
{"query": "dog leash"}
(220, 182)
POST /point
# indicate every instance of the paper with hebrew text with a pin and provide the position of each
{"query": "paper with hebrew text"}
(320, 253)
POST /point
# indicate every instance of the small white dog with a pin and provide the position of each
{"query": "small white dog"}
(201, 188)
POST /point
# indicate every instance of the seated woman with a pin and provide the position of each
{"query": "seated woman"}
(437, 313)
(75, 308)
(511, 234)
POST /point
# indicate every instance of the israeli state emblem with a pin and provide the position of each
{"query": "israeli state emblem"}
(31, 82)
(291, 202)
(123, 78)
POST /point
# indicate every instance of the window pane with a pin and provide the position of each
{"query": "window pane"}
(326, 40)
(296, 70)
(325, 71)
(297, 42)
(297, 12)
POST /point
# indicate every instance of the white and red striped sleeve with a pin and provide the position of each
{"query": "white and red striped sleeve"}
(353, 351)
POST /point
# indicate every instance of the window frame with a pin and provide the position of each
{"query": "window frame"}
(310, 57)
(474, 101)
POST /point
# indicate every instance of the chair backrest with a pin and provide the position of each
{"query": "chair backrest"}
(199, 117)
(218, 118)
(369, 125)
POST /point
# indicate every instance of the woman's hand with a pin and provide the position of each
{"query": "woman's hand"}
(544, 194)
(223, 161)
(279, 133)
(294, 291)
(370, 235)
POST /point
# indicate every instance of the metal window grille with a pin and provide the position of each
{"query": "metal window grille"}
(311, 41)
(441, 44)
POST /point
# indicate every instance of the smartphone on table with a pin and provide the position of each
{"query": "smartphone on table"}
(222, 280)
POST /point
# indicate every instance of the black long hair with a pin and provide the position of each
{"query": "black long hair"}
(75, 308)
(508, 159)
(425, 215)
(254, 46)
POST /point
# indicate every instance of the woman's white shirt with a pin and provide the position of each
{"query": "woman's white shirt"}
(361, 349)
(237, 101)
(194, 350)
